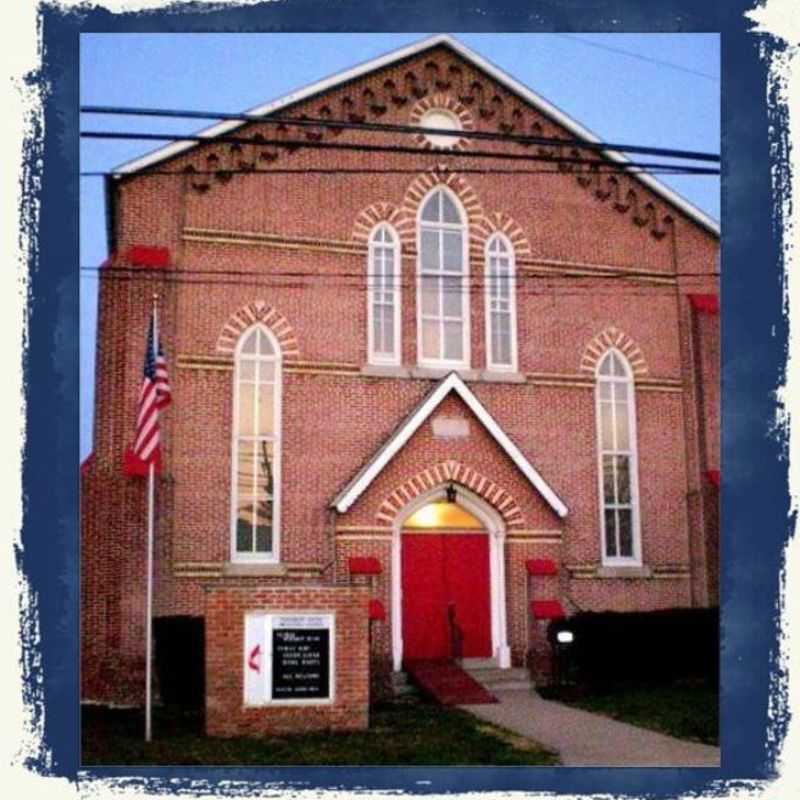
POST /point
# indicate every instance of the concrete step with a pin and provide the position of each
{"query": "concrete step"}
(400, 684)
(496, 678)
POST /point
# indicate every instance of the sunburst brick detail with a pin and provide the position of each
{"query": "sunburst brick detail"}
(376, 213)
(441, 175)
(448, 103)
(605, 340)
(437, 474)
(499, 222)
(258, 311)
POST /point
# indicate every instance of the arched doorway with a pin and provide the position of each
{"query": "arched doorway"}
(448, 577)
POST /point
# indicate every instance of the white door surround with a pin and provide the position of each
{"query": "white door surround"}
(493, 523)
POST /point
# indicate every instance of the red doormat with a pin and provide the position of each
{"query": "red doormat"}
(447, 683)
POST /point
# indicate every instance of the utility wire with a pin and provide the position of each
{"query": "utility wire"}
(407, 129)
(296, 144)
(604, 169)
(639, 56)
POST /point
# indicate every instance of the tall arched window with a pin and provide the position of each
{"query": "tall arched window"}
(383, 312)
(501, 317)
(616, 433)
(255, 476)
(443, 299)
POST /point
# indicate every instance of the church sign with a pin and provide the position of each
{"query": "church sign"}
(288, 658)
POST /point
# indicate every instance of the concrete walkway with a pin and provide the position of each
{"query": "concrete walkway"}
(584, 739)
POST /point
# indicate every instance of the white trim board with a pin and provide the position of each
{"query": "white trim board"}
(537, 101)
(452, 383)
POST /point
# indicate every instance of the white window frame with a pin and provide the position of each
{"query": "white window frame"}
(463, 228)
(383, 359)
(512, 267)
(634, 560)
(274, 556)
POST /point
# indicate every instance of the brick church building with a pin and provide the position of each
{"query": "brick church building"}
(423, 399)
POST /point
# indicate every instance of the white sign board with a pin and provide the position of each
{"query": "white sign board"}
(288, 658)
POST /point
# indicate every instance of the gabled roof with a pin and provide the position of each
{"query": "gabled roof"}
(452, 383)
(526, 94)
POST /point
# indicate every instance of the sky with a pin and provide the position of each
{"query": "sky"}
(659, 90)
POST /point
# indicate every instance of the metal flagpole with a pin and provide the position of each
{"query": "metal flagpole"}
(151, 491)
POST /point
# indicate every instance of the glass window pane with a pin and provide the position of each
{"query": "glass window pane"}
(266, 409)
(604, 388)
(249, 344)
(449, 210)
(430, 212)
(605, 365)
(377, 328)
(617, 367)
(452, 251)
(625, 533)
(623, 479)
(608, 480)
(453, 344)
(264, 476)
(430, 250)
(611, 533)
(388, 329)
(606, 427)
(623, 439)
(266, 371)
(247, 370)
(452, 296)
(265, 347)
(264, 536)
(621, 391)
(430, 295)
(430, 338)
(501, 338)
(247, 422)
(244, 532)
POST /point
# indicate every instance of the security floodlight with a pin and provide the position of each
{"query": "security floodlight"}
(565, 637)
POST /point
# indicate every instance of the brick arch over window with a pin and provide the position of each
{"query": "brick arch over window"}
(251, 313)
(447, 103)
(452, 471)
(442, 176)
(374, 214)
(613, 337)
(499, 222)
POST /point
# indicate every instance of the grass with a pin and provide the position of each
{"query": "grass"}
(685, 710)
(406, 731)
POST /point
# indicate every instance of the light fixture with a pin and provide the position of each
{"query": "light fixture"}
(565, 637)
(450, 493)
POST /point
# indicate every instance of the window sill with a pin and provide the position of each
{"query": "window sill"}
(259, 570)
(437, 373)
(624, 572)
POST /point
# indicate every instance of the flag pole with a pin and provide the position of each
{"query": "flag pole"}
(151, 491)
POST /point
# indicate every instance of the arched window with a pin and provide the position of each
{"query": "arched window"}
(501, 317)
(616, 433)
(255, 476)
(383, 312)
(443, 299)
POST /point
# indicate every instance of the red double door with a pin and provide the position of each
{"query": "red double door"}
(441, 570)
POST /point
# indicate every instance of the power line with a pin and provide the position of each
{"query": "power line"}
(296, 144)
(639, 56)
(330, 124)
(603, 169)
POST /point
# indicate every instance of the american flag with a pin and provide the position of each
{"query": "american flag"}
(154, 396)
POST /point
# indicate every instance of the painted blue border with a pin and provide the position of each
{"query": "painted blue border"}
(755, 503)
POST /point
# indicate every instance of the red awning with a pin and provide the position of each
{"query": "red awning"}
(376, 610)
(134, 467)
(364, 565)
(705, 303)
(141, 255)
(541, 566)
(547, 609)
(713, 476)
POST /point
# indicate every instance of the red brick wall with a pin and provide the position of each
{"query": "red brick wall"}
(334, 418)
(225, 609)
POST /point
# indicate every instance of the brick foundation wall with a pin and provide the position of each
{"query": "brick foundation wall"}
(226, 606)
